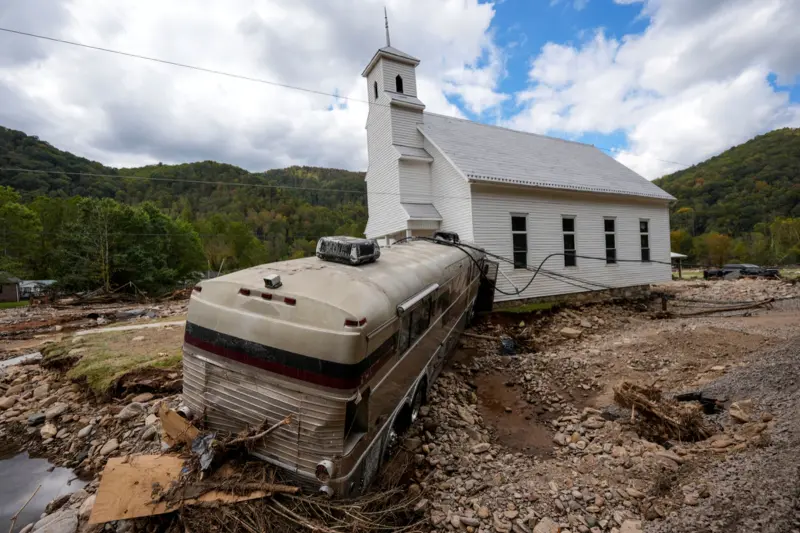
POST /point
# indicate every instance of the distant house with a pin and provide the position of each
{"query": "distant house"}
(34, 287)
(9, 288)
(519, 195)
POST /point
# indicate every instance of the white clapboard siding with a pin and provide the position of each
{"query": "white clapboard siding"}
(383, 187)
(415, 182)
(392, 69)
(451, 195)
(492, 208)
(404, 126)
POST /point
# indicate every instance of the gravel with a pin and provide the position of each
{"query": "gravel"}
(758, 490)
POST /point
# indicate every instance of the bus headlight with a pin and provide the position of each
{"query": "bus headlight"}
(324, 471)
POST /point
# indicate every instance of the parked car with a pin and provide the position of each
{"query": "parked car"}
(744, 269)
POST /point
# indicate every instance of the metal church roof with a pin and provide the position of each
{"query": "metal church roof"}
(494, 154)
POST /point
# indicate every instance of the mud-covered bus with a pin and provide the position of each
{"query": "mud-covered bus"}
(348, 351)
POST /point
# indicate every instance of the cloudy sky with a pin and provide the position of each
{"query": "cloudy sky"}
(659, 83)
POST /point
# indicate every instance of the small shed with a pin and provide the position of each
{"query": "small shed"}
(676, 258)
(9, 288)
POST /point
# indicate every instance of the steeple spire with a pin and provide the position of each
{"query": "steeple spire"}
(386, 19)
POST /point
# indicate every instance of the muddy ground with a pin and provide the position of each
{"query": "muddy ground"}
(530, 442)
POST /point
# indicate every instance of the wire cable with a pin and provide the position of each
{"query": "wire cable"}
(256, 80)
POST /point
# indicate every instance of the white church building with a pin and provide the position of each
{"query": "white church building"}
(519, 195)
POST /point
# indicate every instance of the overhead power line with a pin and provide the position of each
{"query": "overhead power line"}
(252, 79)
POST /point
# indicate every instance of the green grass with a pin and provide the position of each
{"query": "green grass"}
(10, 305)
(103, 358)
(526, 308)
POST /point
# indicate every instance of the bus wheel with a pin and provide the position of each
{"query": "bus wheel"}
(416, 403)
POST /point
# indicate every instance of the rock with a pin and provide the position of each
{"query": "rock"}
(571, 333)
(723, 442)
(86, 506)
(766, 417)
(140, 338)
(560, 439)
(35, 419)
(132, 410)
(467, 521)
(465, 415)
(483, 512)
(63, 521)
(634, 493)
(57, 409)
(48, 431)
(690, 499)
(143, 397)
(109, 447)
(149, 433)
(482, 447)
(594, 423)
(7, 402)
(412, 443)
(15, 389)
(76, 351)
(437, 517)
(631, 526)
(718, 368)
(150, 420)
(41, 391)
(741, 411)
(671, 456)
(546, 525)
(26, 529)
(47, 402)
(85, 431)
(63, 432)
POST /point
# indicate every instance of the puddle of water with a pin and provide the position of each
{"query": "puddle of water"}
(20, 475)
(522, 429)
(35, 356)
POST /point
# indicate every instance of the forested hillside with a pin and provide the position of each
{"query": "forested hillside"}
(743, 204)
(121, 224)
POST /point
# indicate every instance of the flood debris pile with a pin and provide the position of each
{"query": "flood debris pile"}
(663, 419)
(740, 290)
(207, 484)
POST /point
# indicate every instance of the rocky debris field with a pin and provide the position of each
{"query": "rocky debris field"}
(26, 329)
(530, 442)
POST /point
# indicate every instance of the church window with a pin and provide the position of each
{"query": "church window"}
(398, 81)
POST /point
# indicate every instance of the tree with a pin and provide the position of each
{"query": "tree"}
(718, 248)
(19, 233)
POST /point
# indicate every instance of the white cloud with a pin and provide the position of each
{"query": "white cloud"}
(692, 84)
(125, 111)
(577, 5)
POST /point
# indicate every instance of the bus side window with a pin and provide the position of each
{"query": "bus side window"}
(404, 334)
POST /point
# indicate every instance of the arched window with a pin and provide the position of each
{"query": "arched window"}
(398, 82)
(375, 88)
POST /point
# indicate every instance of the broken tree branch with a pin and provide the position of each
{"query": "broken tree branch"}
(481, 337)
(261, 435)
(24, 505)
(727, 309)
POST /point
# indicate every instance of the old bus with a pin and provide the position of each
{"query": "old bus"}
(349, 352)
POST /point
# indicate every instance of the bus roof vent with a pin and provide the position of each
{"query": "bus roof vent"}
(348, 250)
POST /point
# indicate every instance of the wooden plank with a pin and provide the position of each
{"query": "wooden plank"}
(128, 483)
(176, 428)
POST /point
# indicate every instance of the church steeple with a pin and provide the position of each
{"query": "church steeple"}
(386, 20)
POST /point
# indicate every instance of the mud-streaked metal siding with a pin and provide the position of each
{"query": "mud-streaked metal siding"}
(232, 397)
(451, 195)
(492, 208)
